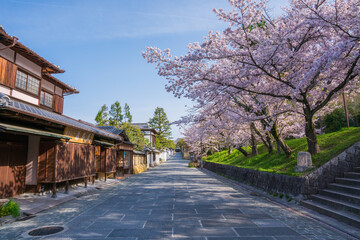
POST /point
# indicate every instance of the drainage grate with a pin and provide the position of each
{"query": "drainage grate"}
(45, 231)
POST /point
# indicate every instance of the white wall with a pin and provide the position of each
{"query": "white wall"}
(25, 97)
(5, 90)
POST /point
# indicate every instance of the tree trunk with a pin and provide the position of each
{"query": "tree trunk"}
(230, 149)
(267, 141)
(254, 150)
(274, 132)
(313, 146)
(243, 151)
(278, 148)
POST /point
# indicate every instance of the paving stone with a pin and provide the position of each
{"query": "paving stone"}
(198, 232)
(241, 238)
(117, 225)
(228, 223)
(268, 223)
(266, 231)
(142, 233)
(170, 224)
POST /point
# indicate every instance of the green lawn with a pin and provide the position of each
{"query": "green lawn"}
(331, 144)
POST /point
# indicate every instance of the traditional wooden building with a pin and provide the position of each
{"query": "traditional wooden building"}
(38, 144)
(124, 151)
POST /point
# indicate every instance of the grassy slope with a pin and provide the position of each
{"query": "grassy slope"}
(331, 145)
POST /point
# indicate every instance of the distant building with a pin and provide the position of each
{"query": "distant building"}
(149, 133)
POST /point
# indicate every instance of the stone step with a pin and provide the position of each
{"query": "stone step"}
(356, 169)
(336, 204)
(348, 181)
(331, 212)
(345, 188)
(346, 197)
(353, 175)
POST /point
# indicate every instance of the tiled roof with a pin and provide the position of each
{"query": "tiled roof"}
(141, 125)
(7, 103)
(117, 131)
(111, 129)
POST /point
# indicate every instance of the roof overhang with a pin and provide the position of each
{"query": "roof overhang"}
(30, 131)
(103, 143)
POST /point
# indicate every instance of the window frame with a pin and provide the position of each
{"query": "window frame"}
(26, 84)
(43, 104)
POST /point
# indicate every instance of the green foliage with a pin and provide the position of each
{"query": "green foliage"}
(336, 120)
(135, 136)
(102, 117)
(10, 208)
(116, 116)
(193, 165)
(161, 124)
(331, 145)
(127, 116)
(182, 144)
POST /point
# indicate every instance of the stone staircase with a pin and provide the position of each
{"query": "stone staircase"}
(341, 200)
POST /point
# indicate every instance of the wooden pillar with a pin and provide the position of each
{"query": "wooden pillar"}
(67, 187)
(54, 190)
(85, 181)
(105, 176)
(93, 180)
(37, 189)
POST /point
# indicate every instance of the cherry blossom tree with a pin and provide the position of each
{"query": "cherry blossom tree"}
(304, 58)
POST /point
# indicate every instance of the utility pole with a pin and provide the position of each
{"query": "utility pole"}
(346, 109)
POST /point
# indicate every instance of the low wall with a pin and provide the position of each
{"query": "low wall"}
(309, 184)
(139, 162)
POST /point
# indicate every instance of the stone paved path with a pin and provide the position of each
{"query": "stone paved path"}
(173, 201)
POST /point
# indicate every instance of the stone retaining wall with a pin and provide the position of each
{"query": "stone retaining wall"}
(309, 184)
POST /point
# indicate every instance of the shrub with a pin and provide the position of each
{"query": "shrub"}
(193, 165)
(10, 208)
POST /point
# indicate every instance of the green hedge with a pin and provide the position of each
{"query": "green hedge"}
(10, 208)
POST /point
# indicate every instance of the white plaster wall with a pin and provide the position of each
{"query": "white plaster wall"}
(24, 97)
(157, 158)
(27, 64)
(4, 90)
(32, 160)
(7, 53)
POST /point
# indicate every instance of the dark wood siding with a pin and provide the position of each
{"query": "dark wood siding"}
(74, 161)
(7, 73)
(101, 161)
(46, 162)
(111, 160)
(58, 104)
(13, 158)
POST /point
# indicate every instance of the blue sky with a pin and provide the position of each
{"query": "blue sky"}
(99, 44)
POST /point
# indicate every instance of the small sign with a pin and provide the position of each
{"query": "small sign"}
(78, 136)
(97, 150)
